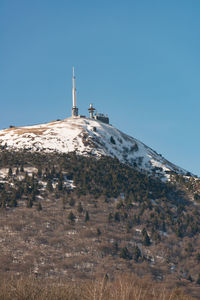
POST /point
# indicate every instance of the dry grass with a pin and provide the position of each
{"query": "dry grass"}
(22, 130)
(36, 131)
(123, 288)
(46, 245)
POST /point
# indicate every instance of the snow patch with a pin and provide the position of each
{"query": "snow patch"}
(78, 134)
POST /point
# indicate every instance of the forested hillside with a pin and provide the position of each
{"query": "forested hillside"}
(77, 217)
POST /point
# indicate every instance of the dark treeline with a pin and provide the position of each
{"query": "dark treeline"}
(161, 205)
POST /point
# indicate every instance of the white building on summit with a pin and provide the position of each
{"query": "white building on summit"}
(98, 116)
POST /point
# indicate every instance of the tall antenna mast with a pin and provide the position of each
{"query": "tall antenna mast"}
(74, 108)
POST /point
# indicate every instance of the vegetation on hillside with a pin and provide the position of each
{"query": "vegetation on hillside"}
(77, 217)
(124, 287)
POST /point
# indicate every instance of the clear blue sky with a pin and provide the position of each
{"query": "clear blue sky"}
(138, 61)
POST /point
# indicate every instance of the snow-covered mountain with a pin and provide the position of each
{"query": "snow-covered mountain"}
(87, 137)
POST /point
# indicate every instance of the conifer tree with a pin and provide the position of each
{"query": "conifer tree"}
(64, 201)
(117, 217)
(198, 257)
(136, 253)
(53, 171)
(39, 172)
(49, 185)
(190, 278)
(39, 207)
(87, 217)
(71, 217)
(29, 203)
(119, 204)
(26, 177)
(17, 171)
(98, 232)
(80, 208)
(146, 239)
(3, 203)
(13, 201)
(10, 172)
(60, 184)
(112, 140)
(125, 254)
(164, 226)
(198, 279)
(71, 201)
(110, 217)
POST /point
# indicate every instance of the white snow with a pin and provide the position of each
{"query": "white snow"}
(86, 137)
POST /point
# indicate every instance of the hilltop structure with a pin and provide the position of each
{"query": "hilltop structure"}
(74, 107)
(98, 116)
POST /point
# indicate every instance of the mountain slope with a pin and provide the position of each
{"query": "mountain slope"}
(75, 216)
(87, 137)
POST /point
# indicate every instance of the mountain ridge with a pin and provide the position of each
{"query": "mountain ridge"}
(71, 215)
(88, 137)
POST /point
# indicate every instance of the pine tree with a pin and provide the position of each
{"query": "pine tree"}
(156, 237)
(125, 254)
(98, 232)
(26, 178)
(146, 239)
(117, 217)
(64, 201)
(39, 207)
(80, 208)
(110, 217)
(3, 203)
(13, 202)
(136, 253)
(29, 203)
(49, 185)
(128, 202)
(53, 171)
(129, 225)
(17, 171)
(10, 172)
(119, 204)
(112, 140)
(198, 279)
(198, 257)
(39, 172)
(71, 202)
(178, 231)
(190, 278)
(136, 220)
(131, 197)
(87, 217)
(164, 226)
(116, 247)
(71, 217)
(60, 184)
(32, 196)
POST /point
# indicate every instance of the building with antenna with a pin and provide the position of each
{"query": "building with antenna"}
(98, 116)
(91, 110)
(101, 117)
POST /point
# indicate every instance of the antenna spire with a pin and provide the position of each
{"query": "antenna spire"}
(74, 108)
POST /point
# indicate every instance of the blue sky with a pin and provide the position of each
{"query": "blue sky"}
(138, 61)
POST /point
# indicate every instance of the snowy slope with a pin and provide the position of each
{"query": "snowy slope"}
(87, 137)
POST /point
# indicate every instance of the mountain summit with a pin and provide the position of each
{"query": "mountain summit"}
(87, 137)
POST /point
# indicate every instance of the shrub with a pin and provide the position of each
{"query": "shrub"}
(71, 217)
(87, 217)
(112, 140)
(125, 254)
(80, 208)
